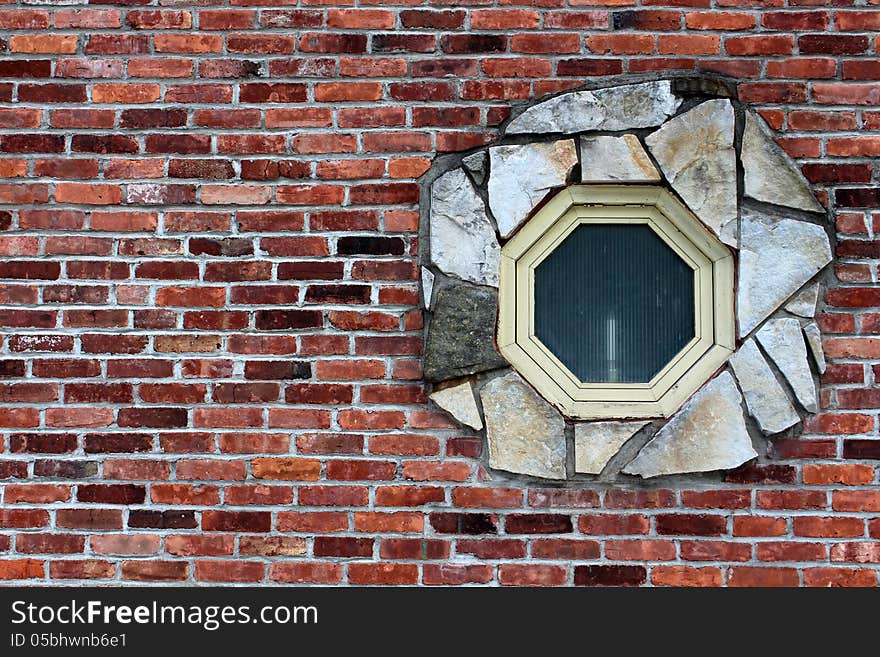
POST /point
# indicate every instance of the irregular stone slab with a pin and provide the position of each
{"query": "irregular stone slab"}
(463, 241)
(642, 105)
(814, 341)
(776, 258)
(526, 434)
(708, 433)
(427, 286)
(476, 166)
(461, 335)
(784, 343)
(596, 442)
(804, 302)
(695, 152)
(459, 402)
(770, 174)
(616, 159)
(520, 176)
(765, 397)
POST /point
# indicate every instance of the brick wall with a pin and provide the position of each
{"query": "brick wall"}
(211, 334)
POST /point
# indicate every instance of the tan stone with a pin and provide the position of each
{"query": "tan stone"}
(596, 442)
(526, 435)
(458, 400)
(616, 159)
(708, 433)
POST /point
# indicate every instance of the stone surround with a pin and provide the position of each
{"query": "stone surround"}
(684, 135)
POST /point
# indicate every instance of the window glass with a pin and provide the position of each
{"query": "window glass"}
(614, 303)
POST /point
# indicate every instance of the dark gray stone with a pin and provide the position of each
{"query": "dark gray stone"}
(461, 335)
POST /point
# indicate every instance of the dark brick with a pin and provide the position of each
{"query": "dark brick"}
(65, 469)
(370, 246)
(277, 370)
(170, 519)
(537, 523)
(690, 524)
(861, 449)
(279, 320)
(610, 575)
(464, 523)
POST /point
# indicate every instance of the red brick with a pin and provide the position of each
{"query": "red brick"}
(749, 576)
(531, 575)
(382, 573)
(686, 576)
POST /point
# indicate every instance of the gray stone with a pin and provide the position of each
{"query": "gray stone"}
(803, 303)
(463, 241)
(427, 287)
(616, 159)
(476, 166)
(770, 174)
(458, 400)
(765, 397)
(814, 342)
(526, 435)
(777, 257)
(708, 433)
(642, 105)
(520, 176)
(461, 335)
(783, 341)
(596, 442)
(695, 152)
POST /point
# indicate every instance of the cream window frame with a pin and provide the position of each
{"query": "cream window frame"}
(681, 230)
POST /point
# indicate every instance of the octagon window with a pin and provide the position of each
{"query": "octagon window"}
(615, 301)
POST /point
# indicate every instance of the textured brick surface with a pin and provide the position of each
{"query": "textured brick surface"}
(210, 353)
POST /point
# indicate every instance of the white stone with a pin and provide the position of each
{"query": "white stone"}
(520, 176)
(814, 342)
(777, 257)
(459, 402)
(596, 442)
(783, 341)
(616, 159)
(526, 435)
(427, 287)
(695, 151)
(463, 241)
(803, 303)
(765, 397)
(708, 433)
(476, 166)
(770, 174)
(642, 105)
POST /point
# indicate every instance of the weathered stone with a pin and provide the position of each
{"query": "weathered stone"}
(526, 434)
(770, 174)
(695, 152)
(804, 302)
(463, 241)
(642, 105)
(596, 442)
(765, 397)
(458, 400)
(520, 176)
(777, 257)
(784, 343)
(814, 342)
(427, 287)
(708, 433)
(461, 335)
(476, 166)
(616, 159)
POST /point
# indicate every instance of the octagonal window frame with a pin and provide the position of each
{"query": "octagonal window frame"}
(681, 230)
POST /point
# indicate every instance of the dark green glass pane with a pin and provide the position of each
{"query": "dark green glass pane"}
(614, 303)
